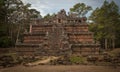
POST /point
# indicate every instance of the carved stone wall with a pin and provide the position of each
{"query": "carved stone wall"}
(59, 35)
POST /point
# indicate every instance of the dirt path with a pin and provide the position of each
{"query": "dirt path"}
(45, 61)
(61, 68)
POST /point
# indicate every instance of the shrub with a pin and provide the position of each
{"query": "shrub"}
(77, 59)
(5, 42)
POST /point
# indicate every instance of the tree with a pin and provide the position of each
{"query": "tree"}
(34, 13)
(105, 24)
(81, 9)
(4, 38)
(47, 16)
(14, 19)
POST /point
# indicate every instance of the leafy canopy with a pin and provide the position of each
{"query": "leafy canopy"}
(81, 9)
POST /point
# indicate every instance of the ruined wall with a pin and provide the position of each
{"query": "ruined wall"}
(58, 35)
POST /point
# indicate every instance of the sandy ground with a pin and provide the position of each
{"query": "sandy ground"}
(62, 68)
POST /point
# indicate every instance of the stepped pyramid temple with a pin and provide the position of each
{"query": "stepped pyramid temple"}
(59, 35)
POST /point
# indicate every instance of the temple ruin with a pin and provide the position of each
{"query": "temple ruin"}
(59, 35)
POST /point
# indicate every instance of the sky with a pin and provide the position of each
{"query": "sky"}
(54, 6)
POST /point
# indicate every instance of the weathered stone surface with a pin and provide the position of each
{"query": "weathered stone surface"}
(59, 35)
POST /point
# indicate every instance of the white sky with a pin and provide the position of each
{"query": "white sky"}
(53, 6)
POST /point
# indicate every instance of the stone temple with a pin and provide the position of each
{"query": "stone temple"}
(58, 35)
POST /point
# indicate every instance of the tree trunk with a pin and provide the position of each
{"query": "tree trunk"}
(19, 27)
(113, 43)
(106, 44)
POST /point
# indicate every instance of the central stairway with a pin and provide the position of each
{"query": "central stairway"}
(55, 42)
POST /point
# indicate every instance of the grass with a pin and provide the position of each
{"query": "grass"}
(78, 59)
(115, 52)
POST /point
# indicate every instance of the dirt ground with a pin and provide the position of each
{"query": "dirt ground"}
(62, 68)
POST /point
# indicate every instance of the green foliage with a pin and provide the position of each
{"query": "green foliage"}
(7, 59)
(81, 9)
(3, 30)
(34, 13)
(105, 24)
(5, 42)
(115, 52)
(77, 59)
(14, 19)
(47, 16)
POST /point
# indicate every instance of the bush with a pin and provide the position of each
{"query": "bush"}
(5, 42)
(9, 59)
(115, 52)
(78, 59)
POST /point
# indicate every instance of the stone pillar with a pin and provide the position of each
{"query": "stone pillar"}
(30, 29)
